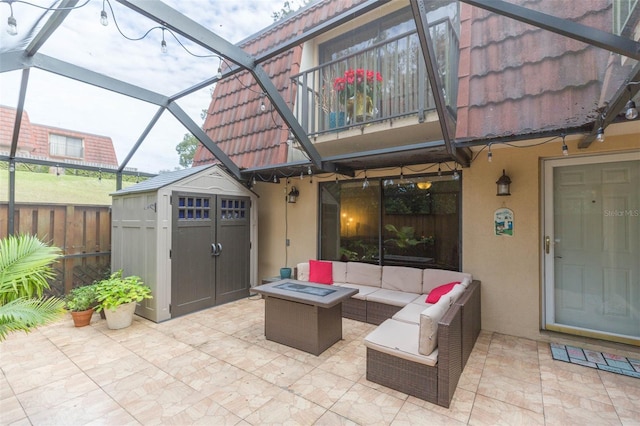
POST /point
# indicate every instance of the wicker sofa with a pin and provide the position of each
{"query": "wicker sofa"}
(418, 348)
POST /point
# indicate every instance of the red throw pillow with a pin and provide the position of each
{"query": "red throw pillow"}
(320, 272)
(435, 294)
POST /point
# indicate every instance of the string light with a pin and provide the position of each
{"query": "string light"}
(489, 154)
(104, 20)
(600, 135)
(275, 179)
(253, 181)
(263, 107)
(163, 43)
(309, 170)
(565, 149)
(12, 24)
(439, 170)
(456, 175)
(365, 184)
(219, 74)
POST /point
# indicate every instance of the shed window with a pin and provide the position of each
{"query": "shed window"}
(193, 208)
(232, 209)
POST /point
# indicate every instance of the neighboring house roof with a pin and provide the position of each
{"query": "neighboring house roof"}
(33, 140)
(162, 180)
(234, 122)
(517, 79)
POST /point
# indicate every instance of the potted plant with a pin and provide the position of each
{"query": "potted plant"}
(118, 295)
(359, 86)
(80, 302)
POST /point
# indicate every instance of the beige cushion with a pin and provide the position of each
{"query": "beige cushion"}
(402, 278)
(399, 339)
(364, 290)
(303, 271)
(339, 272)
(364, 274)
(432, 278)
(455, 293)
(410, 313)
(391, 297)
(429, 319)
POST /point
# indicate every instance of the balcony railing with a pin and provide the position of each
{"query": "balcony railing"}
(386, 81)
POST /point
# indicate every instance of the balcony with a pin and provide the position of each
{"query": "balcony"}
(384, 83)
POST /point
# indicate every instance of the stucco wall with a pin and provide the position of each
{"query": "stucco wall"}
(301, 226)
(509, 267)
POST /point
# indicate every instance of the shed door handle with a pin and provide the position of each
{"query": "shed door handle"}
(219, 249)
(547, 244)
(214, 250)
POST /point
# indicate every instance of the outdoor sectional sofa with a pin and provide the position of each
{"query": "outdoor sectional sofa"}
(418, 348)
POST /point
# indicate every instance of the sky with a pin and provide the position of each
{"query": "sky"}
(56, 101)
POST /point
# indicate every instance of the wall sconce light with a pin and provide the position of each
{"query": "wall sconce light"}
(293, 195)
(503, 184)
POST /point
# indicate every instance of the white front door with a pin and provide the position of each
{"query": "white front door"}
(591, 246)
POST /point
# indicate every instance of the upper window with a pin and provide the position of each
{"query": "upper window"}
(65, 146)
(383, 29)
(622, 10)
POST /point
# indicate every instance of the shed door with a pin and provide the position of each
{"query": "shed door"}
(192, 254)
(233, 242)
(210, 259)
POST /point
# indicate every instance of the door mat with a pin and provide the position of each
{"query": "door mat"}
(600, 360)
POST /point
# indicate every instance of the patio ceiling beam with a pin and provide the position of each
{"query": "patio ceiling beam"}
(142, 137)
(447, 125)
(204, 139)
(383, 151)
(565, 27)
(615, 106)
(175, 21)
(69, 165)
(77, 73)
(57, 17)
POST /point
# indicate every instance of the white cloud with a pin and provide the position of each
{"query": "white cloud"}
(81, 40)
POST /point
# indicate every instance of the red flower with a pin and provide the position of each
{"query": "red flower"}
(359, 80)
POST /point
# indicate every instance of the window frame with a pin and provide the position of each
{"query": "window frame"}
(65, 146)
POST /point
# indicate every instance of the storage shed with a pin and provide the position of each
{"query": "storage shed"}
(191, 235)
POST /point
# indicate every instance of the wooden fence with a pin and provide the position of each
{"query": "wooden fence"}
(82, 232)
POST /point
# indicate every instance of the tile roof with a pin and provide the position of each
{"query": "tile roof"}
(250, 137)
(519, 79)
(33, 140)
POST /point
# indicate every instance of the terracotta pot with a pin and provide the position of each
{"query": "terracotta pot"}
(82, 318)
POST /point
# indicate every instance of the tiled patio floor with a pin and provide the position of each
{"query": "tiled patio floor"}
(215, 367)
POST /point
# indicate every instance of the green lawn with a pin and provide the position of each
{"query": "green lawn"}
(63, 189)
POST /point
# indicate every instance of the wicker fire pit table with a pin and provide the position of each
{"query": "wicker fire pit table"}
(303, 315)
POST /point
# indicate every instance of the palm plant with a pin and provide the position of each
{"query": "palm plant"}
(24, 270)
